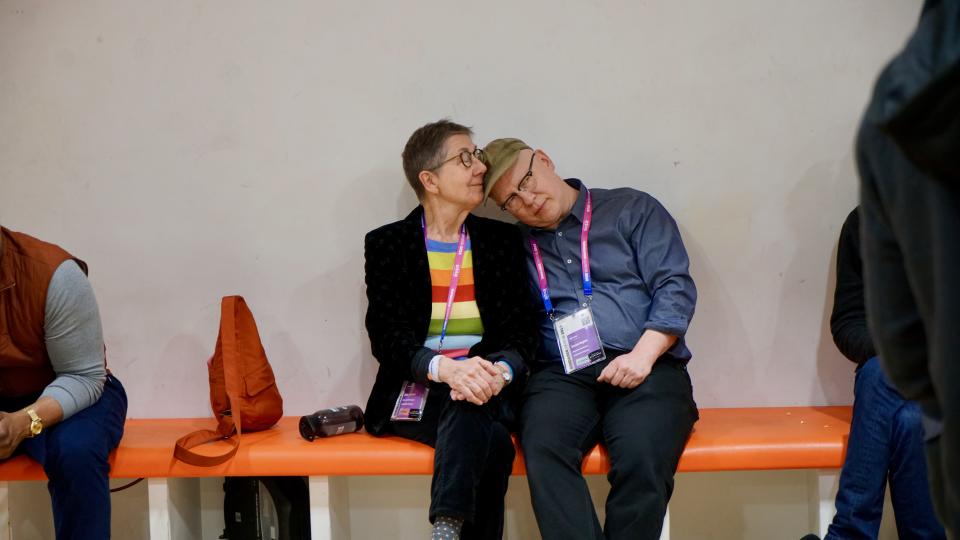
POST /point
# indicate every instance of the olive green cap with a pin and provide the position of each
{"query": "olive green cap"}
(499, 155)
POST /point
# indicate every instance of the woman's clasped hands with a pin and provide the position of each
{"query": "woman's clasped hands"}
(475, 379)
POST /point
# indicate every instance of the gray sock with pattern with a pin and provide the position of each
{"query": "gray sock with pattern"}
(446, 528)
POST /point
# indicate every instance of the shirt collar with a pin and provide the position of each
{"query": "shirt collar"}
(581, 204)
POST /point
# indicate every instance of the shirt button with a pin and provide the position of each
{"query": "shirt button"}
(584, 304)
(569, 261)
(559, 233)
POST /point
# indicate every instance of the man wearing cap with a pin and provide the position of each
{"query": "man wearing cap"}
(58, 402)
(611, 273)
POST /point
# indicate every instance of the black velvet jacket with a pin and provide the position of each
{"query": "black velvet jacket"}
(399, 306)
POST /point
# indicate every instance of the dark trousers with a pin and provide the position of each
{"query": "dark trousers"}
(644, 430)
(886, 444)
(911, 255)
(472, 461)
(74, 455)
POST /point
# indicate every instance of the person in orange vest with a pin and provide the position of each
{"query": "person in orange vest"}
(58, 402)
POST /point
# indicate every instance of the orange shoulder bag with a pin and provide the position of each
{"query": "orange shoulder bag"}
(243, 392)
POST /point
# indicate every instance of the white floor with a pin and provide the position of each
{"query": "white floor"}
(705, 506)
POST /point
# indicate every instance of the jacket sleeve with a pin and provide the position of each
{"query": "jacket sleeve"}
(848, 322)
(391, 316)
(514, 327)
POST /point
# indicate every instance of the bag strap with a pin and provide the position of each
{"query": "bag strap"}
(228, 426)
(182, 450)
(229, 331)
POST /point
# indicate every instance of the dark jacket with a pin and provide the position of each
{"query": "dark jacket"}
(399, 306)
(848, 323)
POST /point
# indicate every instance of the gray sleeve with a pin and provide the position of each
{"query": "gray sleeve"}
(74, 340)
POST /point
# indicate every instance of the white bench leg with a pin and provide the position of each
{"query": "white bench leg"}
(5, 526)
(822, 490)
(329, 513)
(158, 502)
(665, 531)
(174, 508)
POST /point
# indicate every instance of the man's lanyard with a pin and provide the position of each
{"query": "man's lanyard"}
(584, 261)
(454, 277)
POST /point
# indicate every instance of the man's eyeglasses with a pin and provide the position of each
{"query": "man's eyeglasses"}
(466, 157)
(528, 182)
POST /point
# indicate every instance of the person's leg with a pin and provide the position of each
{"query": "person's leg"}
(491, 489)
(74, 455)
(471, 444)
(863, 479)
(424, 431)
(909, 489)
(645, 430)
(559, 424)
(473, 454)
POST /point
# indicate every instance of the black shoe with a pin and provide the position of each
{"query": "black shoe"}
(810, 537)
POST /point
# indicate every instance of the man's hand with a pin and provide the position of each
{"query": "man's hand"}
(631, 369)
(474, 379)
(627, 370)
(13, 430)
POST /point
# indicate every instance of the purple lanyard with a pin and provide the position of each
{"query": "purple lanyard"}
(454, 277)
(584, 260)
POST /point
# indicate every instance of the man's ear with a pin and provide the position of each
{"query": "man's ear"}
(545, 159)
(429, 181)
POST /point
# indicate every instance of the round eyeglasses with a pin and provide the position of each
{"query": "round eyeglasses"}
(528, 182)
(466, 158)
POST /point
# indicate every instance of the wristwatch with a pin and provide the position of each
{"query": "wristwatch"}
(507, 373)
(36, 425)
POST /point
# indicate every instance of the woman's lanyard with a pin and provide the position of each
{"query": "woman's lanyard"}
(454, 277)
(584, 261)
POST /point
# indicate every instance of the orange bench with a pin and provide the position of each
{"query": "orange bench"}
(736, 439)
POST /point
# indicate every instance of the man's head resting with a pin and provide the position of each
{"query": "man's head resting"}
(524, 182)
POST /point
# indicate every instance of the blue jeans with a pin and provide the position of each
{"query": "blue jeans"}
(886, 443)
(74, 455)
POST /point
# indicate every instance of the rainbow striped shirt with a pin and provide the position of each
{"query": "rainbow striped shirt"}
(464, 329)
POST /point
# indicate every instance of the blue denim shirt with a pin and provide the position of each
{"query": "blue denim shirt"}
(638, 265)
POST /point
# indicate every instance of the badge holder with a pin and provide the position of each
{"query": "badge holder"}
(410, 402)
(579, 340)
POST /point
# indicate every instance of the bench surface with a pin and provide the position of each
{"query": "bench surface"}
(723, 440)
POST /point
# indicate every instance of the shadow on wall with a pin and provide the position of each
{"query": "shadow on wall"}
(834, 371)
(815, 210)
(406, 199)
(723, 366)
(191, 391)
(332, 374)
(325, 378)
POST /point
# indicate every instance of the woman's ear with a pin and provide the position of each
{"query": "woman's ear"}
(429, 181)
